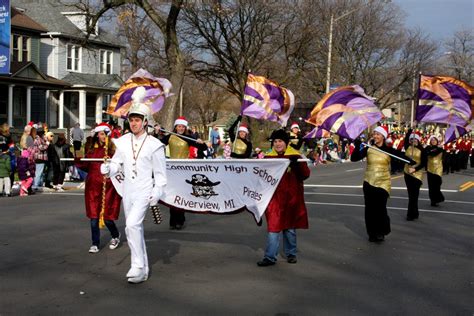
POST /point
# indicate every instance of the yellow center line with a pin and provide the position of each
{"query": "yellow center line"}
(470, 185)
(396, 177)
(465, 184)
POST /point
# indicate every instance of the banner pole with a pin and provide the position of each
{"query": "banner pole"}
(382, 151)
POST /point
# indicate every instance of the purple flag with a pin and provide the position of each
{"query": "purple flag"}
(345, 111)
(265, 99)
(157, 89)
(453, 132)
(444, 100)
(317, 132)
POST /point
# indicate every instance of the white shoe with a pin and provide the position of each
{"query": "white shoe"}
(136, 272)
(114, 243)
(139, 278)
(93, 249)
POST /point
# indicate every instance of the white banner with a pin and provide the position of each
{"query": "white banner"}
(222, 185)
(219, 185)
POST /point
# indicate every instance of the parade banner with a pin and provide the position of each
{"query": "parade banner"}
(5, 30)
(220, 185)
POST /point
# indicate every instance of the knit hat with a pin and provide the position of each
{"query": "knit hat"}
(181, 121)
(382, 130)
(103, 127)
(280, 134)
(243, 128)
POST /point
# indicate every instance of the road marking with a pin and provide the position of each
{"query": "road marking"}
(350, 170)
(392, 208)
(396, 177)
(360, 187)
(391, 197)
(466, 186)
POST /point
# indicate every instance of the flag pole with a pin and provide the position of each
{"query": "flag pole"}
(383, 151)
(182, 136)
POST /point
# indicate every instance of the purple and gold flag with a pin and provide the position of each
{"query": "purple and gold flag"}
(444, 100)
(345, 111)
(265, 99)
(453, 132)
(157, 89)
(317, 132)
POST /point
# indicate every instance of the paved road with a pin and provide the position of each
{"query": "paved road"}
(424, 267)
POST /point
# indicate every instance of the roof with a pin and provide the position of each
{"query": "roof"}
(99, 81)
(49, 13)
(20, 20)
(27, 73)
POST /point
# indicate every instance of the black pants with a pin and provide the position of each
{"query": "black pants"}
(463, 159)
(413, 188)
(377, 221)
(434, 187)
(58, 176)
(176, 217)
(77, 144)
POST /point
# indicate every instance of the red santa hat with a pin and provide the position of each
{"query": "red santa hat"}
(415, 135)
(295, 125)
(103, 127)
(243, 128)
(181, 121)
(382, 130)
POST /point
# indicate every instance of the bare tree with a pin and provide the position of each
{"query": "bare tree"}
(205, 101)
(460, 55)
(165, 17)
(142, 40)
(229, 38)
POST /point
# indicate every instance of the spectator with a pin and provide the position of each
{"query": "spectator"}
(77, 137)
(227, 150)
(209, 154)
(26, 172)
(55, 152)
(40, 157)
(26, 140)
(5, 169)
(215, 138)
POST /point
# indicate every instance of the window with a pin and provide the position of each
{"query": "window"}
(73, 57)
(20, 48)
(105, 62)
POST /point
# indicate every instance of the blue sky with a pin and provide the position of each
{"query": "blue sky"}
(438, 18)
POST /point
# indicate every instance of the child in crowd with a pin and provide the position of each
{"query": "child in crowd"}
(26, 172)
(5, 169)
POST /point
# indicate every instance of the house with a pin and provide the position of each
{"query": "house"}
(91, 69)
(24, 91)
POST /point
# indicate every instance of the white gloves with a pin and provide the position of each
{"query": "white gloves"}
(155, 196)
(105, 168)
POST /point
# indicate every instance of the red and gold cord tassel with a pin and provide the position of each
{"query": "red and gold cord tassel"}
(104, 185)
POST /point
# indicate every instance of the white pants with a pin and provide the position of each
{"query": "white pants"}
(134, 214)
(5, 182)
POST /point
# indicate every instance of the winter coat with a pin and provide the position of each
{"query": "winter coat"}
(93, 189)
(58, 151)
(26, 169)
(287, 208)
(5, 167)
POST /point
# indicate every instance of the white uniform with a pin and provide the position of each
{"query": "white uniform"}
(143, 183)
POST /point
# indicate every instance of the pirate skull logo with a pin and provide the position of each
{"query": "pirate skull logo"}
(202, 186)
